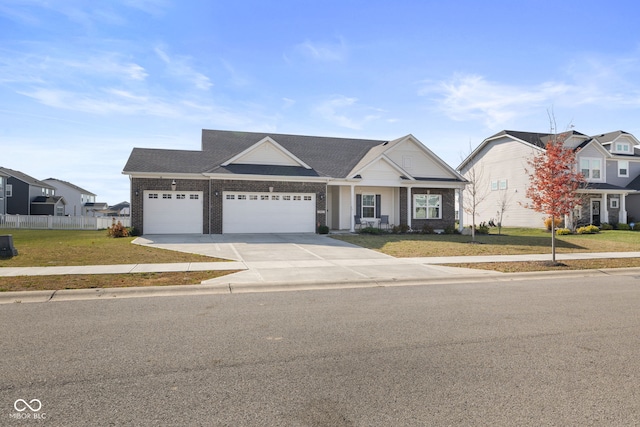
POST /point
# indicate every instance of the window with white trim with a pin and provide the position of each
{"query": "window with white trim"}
(368, 206)
(253, 197)
(297, 197)
(231, 196)
(427, 206)
(275, 197)
(181, 196)
(264, 197)
(623, 147)
(614, 203)
(153, 195)
(307, 198)
(166, 196)
(623, 168)
(242, 197)
(286, 197)
(8, 190)
(591, 169)
(194, 196)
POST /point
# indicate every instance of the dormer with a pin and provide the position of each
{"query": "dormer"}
(622, 146)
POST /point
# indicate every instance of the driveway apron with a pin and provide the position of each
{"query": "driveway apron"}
(298, 258)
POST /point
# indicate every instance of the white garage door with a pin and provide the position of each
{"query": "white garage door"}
(244, 212)
(172, 212)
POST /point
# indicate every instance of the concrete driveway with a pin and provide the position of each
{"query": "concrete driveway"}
(300, 258)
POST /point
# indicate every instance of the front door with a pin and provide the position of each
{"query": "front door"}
(595, 212)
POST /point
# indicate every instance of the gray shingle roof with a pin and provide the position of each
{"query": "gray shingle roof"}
(25, 178)
(75, 187)
(327, 156)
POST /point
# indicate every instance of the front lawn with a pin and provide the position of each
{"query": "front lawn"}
(512, 241)
(43, 248)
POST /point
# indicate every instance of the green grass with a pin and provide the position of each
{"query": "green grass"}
(43, 248)
(512, 241)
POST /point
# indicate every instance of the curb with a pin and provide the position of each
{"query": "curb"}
(257, 287)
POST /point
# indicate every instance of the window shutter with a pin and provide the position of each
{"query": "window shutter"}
(358, 204)
(378, 198)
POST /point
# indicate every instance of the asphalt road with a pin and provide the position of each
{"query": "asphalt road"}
(523, 353)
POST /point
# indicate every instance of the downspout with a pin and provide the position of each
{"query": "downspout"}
(209, 206)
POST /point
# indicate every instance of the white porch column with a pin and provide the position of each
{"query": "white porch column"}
(352, 220)
(604, 209)
(409, 206)
(460, 210)
(622, 216)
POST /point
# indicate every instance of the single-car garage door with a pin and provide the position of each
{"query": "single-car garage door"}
(244, 212)
(172, 212)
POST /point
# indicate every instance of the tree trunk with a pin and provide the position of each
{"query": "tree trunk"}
(553, 239)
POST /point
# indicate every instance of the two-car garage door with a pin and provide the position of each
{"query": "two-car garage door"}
(246, 212)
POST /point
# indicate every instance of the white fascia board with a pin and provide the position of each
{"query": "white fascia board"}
(266, 140)
(388, 160)
(416, 142)
(266, 177)
(489, 140)
(164, 175)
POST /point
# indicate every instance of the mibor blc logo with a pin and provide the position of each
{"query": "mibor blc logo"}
(28, 410)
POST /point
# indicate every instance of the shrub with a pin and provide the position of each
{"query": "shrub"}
(588, 229)
(400, 229)
(547, 223)
(636, 226)
(563, 231)
(622, 226)
(427, 229)
(451, 229)
(117, 230)
(323, 229)
(482, 229)
(133, 231)
(370, 230)
(606, 226)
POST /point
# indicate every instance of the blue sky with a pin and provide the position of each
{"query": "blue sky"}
(83, 82)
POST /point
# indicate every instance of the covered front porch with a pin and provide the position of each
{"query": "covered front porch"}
(603, 206)
(415, 206)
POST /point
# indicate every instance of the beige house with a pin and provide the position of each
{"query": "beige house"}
(610, 163)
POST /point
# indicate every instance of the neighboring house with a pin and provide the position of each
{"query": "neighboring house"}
(120, 209)
(3, 198)
(48, 205)
(76, 198)
(96, 209)
(610, 163)
(244, 182)
(24, 195)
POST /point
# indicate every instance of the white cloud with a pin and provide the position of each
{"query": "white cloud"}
(346, 112)
(324, 52)
(472, 97)
(179, 67)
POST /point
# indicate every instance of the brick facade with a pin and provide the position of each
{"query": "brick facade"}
(212, 203)
(448, 208)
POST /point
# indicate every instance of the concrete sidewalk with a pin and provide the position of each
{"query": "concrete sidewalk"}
(277, 262)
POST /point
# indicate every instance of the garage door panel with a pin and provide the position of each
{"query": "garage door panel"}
(268, 212)
(173, 212)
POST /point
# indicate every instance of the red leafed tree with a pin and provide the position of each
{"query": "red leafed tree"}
(553, 183)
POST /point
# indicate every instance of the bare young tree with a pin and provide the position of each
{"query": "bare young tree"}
(474, 193)
(504, 200)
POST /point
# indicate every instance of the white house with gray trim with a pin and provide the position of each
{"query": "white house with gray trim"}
(610, 163)
(248, 182)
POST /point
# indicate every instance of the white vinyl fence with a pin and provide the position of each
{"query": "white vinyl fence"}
(61, 222)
